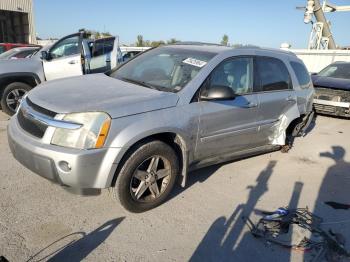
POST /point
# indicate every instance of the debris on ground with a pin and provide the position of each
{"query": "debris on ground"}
(299, 230)
(337, 205)
(287, 147)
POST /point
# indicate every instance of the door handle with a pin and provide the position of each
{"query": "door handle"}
(72, 62)
(250, 105)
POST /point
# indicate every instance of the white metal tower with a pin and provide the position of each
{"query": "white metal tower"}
(321, 36)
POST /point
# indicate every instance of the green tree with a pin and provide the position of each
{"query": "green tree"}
(172, 41)
(224, 40)
(105, 34)
(139, 41)
(97, 35)
(157, 43)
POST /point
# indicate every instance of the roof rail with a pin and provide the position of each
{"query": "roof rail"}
(248, 46)
(195, 43)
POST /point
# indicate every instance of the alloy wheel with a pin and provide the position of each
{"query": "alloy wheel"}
(150, 179)
(14, 97)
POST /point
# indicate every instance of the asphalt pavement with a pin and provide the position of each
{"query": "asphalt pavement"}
(40, 221)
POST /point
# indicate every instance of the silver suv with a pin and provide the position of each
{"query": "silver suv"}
(163, 113)
(73, 55)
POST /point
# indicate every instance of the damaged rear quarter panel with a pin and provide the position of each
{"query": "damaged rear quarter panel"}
(278, 132)
(292, 110)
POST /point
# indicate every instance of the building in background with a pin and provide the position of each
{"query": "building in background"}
(17, 22)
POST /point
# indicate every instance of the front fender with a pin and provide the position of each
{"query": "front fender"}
(127, 131)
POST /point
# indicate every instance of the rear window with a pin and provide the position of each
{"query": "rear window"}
(302, 74)
(273, 74)
(8, 54)
(24, 54)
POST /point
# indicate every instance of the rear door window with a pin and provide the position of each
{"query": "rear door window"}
(103, 46)
(302, 74)
(273, 74)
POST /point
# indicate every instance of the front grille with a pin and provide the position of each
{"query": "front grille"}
(331, 110)
(325, 108)
(34, 128)
(332, 94)
(28, 124)
(40, 109)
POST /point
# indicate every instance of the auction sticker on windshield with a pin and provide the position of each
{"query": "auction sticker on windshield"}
(194, 62)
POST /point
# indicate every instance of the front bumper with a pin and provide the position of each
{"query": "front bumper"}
(88, 168)
(332, 107)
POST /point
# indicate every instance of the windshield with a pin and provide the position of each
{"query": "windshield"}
(336, 71)
(164, 68)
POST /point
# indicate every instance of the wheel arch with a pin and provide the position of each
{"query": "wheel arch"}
(293, 124)
(31, 79)
(173, 139)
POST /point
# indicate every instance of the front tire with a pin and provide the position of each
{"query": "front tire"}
(12, 96)
(147, 176)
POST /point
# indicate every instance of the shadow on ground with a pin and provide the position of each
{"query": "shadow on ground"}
(335, 187)
(228, 240)
(202, 174)
(79, 249)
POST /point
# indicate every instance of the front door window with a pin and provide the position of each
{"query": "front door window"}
(236, 73)
(67, 47)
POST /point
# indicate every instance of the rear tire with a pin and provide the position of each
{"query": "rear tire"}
(129, 186)
(12, 96)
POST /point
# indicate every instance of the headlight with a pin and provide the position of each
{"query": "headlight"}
(92, 134)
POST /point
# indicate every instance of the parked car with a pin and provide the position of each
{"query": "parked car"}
(8, 46)
(19, 52)
(129, 52)
(332, 86)
(167, 111)
(72, 55)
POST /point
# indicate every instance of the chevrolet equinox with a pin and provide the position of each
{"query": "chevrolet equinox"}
(172, 109)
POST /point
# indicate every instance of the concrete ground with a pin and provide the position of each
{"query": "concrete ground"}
(40, 221)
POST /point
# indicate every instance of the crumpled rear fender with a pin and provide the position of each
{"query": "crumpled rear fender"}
(279, 134)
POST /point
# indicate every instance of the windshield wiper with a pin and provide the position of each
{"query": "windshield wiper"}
(141, 83)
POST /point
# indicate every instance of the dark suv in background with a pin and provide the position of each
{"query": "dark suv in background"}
(332, 86)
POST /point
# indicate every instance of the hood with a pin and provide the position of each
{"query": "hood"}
(330, 82)
(19, 65)
(99, 92)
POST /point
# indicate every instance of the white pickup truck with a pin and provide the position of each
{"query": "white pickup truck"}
(73, 55)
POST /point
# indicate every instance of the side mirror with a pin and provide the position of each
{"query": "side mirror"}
(44, 55)
(218, 93)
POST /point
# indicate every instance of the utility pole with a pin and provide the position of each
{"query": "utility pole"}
(321, 36)
(326, 32)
